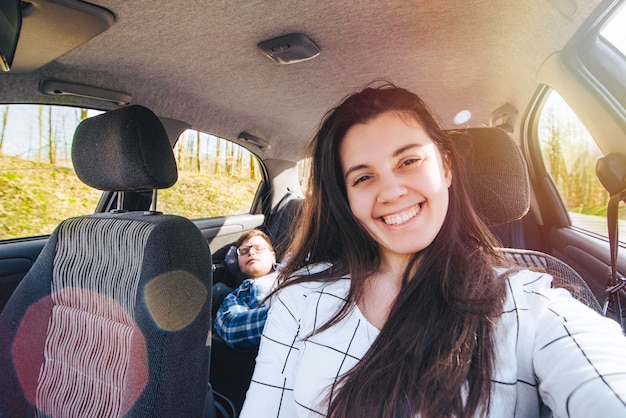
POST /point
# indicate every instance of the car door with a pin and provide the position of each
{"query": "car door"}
(577, 116)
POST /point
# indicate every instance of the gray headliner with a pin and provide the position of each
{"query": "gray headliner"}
(197, 61)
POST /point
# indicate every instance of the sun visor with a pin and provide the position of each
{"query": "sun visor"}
(51, 28)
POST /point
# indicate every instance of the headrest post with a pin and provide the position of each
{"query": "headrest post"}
(120, 201)
(119, 204)
(153, 205)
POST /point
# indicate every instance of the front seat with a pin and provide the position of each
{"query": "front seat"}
(500, 191)
(113, 318)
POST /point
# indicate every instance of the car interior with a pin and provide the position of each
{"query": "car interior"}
(532, 93)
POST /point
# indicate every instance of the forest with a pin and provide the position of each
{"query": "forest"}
(570, 155)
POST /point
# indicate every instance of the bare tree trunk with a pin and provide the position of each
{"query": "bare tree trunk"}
(252, 167)
(229, 158)
(179, 152)
(198, 161)
(189, 153)
(240, 161)
(218, 152)
(52, 147)
(60, 132)
(40, 150)
(5, 115)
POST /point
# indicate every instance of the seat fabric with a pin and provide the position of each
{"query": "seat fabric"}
(564, 275)
(113, 318)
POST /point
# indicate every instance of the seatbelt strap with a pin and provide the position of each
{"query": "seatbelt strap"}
(517, 234)
(616, 281)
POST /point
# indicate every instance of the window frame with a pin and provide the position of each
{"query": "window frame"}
(598, 64)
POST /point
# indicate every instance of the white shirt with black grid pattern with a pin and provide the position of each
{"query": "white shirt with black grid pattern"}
(551, 350)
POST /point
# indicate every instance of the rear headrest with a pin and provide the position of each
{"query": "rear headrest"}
(124, 150)
(498, 177)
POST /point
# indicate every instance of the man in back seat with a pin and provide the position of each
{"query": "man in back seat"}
(241, 316)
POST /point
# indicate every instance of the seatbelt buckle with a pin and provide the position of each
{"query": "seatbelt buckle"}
(619, 284)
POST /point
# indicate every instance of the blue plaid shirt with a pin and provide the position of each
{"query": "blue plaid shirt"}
(241, 317)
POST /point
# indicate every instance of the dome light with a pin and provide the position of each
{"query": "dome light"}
(462, 117)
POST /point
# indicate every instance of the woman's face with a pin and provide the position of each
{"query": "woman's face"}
(397, 183)
(259, 259)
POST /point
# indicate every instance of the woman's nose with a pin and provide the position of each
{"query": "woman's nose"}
(390, 189)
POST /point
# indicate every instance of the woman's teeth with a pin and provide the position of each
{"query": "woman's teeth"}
(403, 217)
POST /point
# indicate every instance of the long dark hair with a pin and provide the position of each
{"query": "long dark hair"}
(434, 356)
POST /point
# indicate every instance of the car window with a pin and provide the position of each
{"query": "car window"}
(38, 186)
(216, 177)
(570, 155)
(614, 31)
(304, 172)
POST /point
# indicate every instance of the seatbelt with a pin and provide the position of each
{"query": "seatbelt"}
(611, 171)
(616, 281)
(517, 234)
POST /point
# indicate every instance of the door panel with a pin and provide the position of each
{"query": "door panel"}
(588, 255)
(16, 258)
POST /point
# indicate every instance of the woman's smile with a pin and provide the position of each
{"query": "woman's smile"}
(402, 217)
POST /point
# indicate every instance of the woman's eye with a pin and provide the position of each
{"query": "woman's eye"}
(360, 179)
(410, 162)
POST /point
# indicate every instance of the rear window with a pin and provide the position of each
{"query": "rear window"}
(216, 177)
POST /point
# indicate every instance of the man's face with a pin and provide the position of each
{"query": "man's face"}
(255, 257)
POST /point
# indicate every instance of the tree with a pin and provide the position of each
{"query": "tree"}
(252, 167)
(240, 161)
(218, 152)
(40, 149)
(570, 153)
(230, 157)
(179, 153)
(198, 160)
(51, 142)
(5, 116)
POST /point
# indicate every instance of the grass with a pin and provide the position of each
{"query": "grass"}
(36, 197)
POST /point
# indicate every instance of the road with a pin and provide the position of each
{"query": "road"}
(596, 224)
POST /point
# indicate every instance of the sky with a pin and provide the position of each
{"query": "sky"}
(22, 136)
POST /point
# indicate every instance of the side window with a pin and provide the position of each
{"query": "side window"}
(570, 155)
(216, 177)
(38, 186)
(614, 33)
(304, 173)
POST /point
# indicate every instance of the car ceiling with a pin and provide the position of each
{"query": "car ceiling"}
(197, 61)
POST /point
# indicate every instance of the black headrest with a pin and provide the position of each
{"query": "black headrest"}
(123, 150)
(498, 176)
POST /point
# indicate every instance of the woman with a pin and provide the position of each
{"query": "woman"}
(407, 309)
